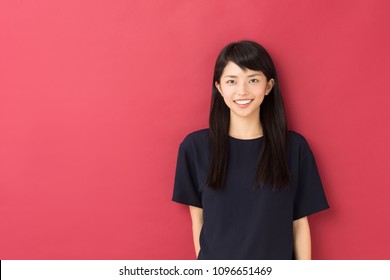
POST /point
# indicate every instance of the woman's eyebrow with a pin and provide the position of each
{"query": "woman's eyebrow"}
(234, 76)
(253, 75)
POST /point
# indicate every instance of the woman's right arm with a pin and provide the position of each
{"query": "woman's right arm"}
(197, 223)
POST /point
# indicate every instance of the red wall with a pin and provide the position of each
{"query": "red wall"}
(95, 97)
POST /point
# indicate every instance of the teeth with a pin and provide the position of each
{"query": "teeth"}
(243, 102)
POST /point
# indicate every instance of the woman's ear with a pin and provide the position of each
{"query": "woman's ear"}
(218, 86)
(270, 85)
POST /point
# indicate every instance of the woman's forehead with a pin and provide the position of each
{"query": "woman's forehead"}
(232, 69)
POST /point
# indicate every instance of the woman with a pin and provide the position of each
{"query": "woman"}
(249, 182)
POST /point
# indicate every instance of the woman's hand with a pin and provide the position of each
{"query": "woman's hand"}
(197, 223)
(302, 240)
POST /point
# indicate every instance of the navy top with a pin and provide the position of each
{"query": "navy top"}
(240, 221)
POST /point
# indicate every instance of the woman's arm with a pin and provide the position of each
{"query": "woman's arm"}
(302, 241)
(197, 223)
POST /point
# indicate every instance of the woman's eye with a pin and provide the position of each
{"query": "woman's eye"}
(253, 81)
(230, 81)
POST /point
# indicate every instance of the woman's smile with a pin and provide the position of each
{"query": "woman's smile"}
(243, 103)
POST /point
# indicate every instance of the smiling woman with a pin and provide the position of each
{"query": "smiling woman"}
(250, 183)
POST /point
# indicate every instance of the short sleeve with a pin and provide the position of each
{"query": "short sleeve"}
(310, 196)
(186, 189)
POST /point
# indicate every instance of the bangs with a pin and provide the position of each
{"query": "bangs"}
(247, 55)
(245, 58)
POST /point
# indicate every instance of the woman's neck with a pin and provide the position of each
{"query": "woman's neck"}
(245, 127)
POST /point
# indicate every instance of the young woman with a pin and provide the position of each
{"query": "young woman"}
(249, 182)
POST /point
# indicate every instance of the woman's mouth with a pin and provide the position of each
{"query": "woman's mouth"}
(243, 102)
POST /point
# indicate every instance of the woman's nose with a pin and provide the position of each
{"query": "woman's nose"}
(241, 89)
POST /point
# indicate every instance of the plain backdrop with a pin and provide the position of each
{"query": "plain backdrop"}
(96, 96)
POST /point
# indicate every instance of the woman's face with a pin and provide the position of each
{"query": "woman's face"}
(243, 90)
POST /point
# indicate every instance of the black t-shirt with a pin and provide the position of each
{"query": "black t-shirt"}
(241, 221)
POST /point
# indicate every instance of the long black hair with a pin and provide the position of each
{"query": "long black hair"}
(272, 168)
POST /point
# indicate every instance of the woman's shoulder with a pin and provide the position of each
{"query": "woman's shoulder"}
(198, 137)
(298, 142)
(296, 137)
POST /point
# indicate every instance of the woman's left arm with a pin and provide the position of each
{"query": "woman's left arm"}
(302, 241)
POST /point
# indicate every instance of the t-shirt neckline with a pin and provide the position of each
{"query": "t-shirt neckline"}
(246, 140)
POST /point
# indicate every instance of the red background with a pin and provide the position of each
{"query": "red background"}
(95, 97)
